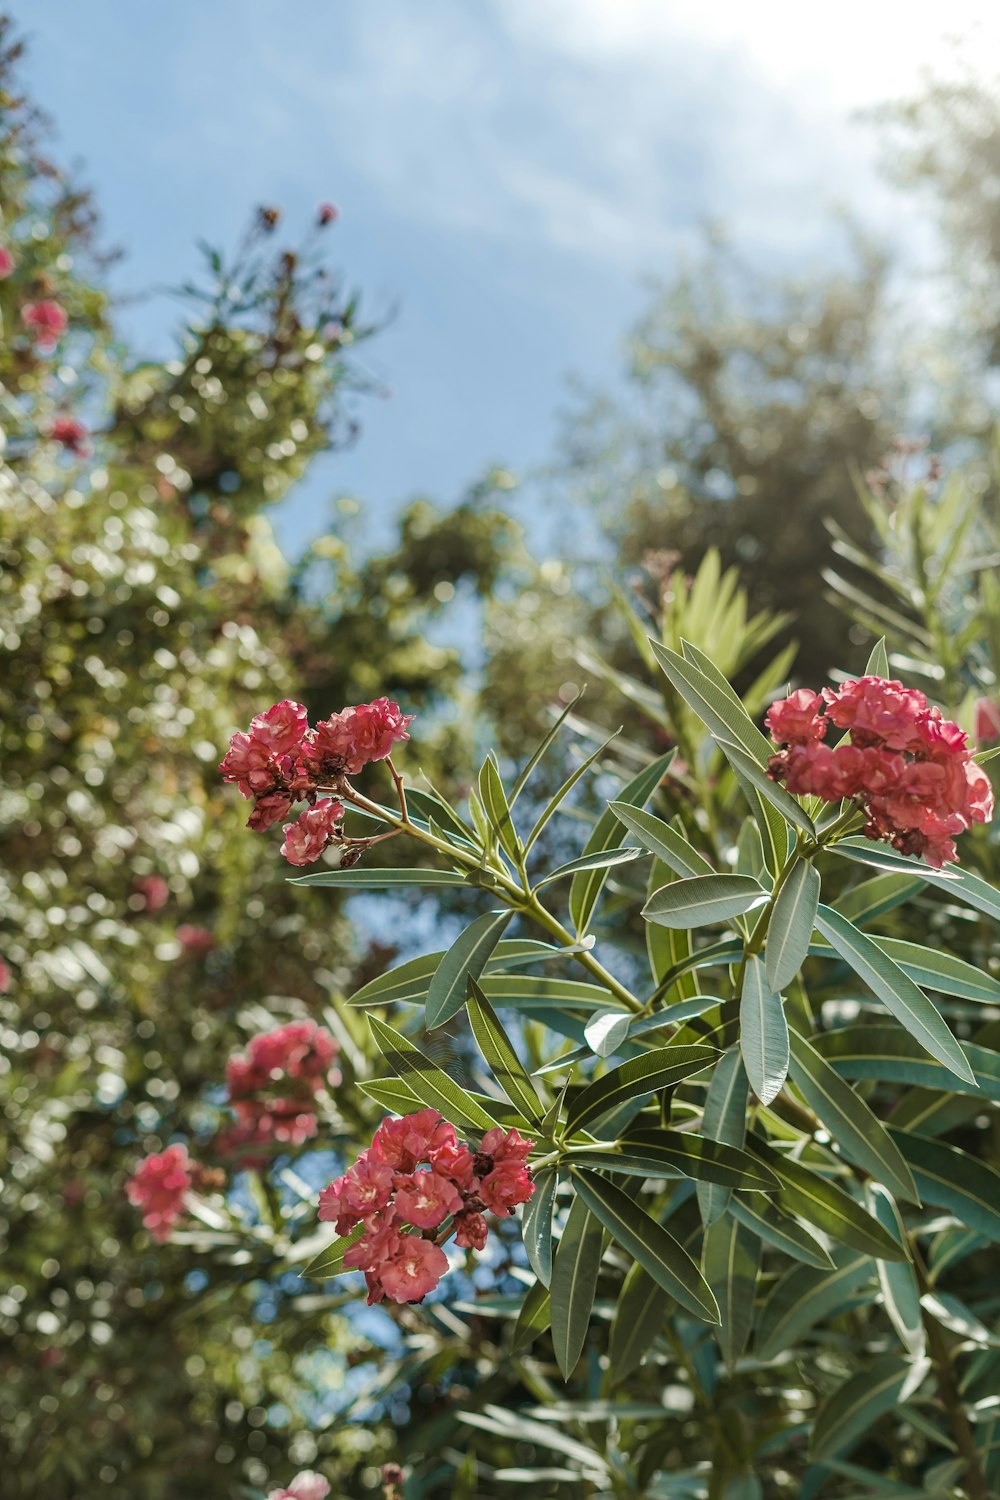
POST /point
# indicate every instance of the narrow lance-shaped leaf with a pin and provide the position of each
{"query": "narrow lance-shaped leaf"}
(763, 1033)
(782, 801)
(428, 1081)
(779, 1229)
(609, 834)
(559, 796)
(791, 925)
(725, 1120)
(494, 800)
(898, 993)
(652, 1152)
(330, 1262)
(500, 1056)
(653, 1070)
(536, 1225)
(720, 711)
(547, 740)
(820, 1202)
(730, 1261)
(535, 1316)
(649, 1243)
(574, 1284)
(702, 899)
(900, 1292)
(662, 840)
(378, 880)
(606, 1031)
(806, 1296)
(601, 859)
(465, 959)
(638, 1318)
(952, 1179)
(855, 1129)
(845, 1417)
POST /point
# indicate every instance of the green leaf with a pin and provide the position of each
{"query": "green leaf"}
(871, 852)
(791, 925)
(897, 992)
(884, 1053)
(783, 802)
(730, 1262)
(721, 712)
(608, 833)
(648, 1243)
(535, 1316)
(606, 1031)
(811, 1197)
(900, 1292)
(763, 1033)
(500, 1056)
(874, 897)
(952, 1179)
(656, 1069)
(330, 1262)
(544, 744)
(433, 807)
(855, 1129)
(878, 661)
(703, 899)
(660, 839)
(536, 1225)
(411, 980)
(638, 1318)
(494, 800)
(427, 1080)
(574, 1284)
(724, 1120)
(845, 1417)
(557, 799)
(654, 1152)
(804, 1297)
(779, 1229)
(379, 880)
(941, 971)
(466, 958)
(534, 991)
(392, 1093)
(601, 859)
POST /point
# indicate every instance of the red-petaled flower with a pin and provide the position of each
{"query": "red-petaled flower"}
(426, 1199)
(157, 1187)
(413, 1270)
(797, 719)
(46, 321)
(6, 263)
(71, 434)
(312, 832)
(347, 742)
(305, 1486)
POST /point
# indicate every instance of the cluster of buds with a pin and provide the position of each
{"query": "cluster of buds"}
(908, 767)
(158, 1187)
(408, 1213)
(281, 761)
(273, 1089)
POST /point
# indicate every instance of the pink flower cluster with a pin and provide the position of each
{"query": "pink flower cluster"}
(906, 765)
(281, 760)
(46, 321)
(273, 1087)
(386, 1193)
(305, 1486)
(71, 434)
(157, 1187)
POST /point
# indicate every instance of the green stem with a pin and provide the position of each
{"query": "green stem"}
(521, 899)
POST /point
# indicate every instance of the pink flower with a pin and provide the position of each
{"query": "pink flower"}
(987, 721)
(327, 213)
(305, 1486)
(425, 1199)
(380, 1240)
(470, 1230)
(312, 832)
(506, 1146)
(414, 1270)
(796, 719)
(363, 1190)
(268, 810)
(403, 1144)
(876, 711)
(352, 739)
(71, 434)
(6, 262)
(281, 728)
(195, 939)
(5, 976)
(47, 321)
(154, 890)
(157, 1187)
(506, 1186)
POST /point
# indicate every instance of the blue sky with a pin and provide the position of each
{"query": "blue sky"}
(508, 173)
